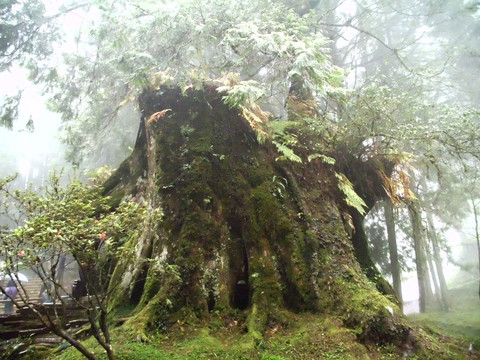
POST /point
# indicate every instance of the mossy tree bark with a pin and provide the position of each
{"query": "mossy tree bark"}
(231, 227)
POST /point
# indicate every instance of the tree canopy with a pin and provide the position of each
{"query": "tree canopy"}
(400, 56)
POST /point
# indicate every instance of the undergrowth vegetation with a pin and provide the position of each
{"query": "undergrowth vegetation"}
(296, 337)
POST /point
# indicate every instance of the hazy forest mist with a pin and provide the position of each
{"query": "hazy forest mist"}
(348, 130)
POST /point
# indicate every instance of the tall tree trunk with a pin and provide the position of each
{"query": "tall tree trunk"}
(430, 296)
(433, 276)
(437, 258)
(420, 258)
(477, 235)
(392, 248)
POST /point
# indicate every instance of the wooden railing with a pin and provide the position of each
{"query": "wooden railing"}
(20, 330)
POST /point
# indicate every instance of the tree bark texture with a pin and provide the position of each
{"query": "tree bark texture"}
(232, 228)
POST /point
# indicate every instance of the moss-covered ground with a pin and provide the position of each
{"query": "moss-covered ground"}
(295, 336)
(300, 337)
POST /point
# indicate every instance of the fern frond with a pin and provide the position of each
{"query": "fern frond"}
(243, 93)
(351, 197)
(326, 159)
(288, 154)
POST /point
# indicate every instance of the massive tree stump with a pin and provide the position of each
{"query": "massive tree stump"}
(232, 228)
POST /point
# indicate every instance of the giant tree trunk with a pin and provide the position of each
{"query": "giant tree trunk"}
(231, 227)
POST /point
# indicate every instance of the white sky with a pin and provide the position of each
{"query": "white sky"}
(23, 147)
(29, 148)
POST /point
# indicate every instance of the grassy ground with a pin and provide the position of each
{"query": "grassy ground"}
(462, 322)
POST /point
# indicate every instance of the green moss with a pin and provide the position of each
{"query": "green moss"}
(298, 263)
(314, 337)
(269, 214)
(368, 313)
(201, 143)
(201, 342)
(116, 198)
(151, 287)
(154, 315)
(119, 296)
(257, 322)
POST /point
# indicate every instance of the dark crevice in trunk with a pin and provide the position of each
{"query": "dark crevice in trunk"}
(139, 285)
(241, 291)
(241, 297)
(137, 290)
(239, 278)
(211, 301)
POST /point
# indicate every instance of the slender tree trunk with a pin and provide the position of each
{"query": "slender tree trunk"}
(420, 258)
(445, 301)
(433, 276)
(97, 334)
(392, 249)
(477, 236)
(429, 295)
(60, 269)
(444, 298)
